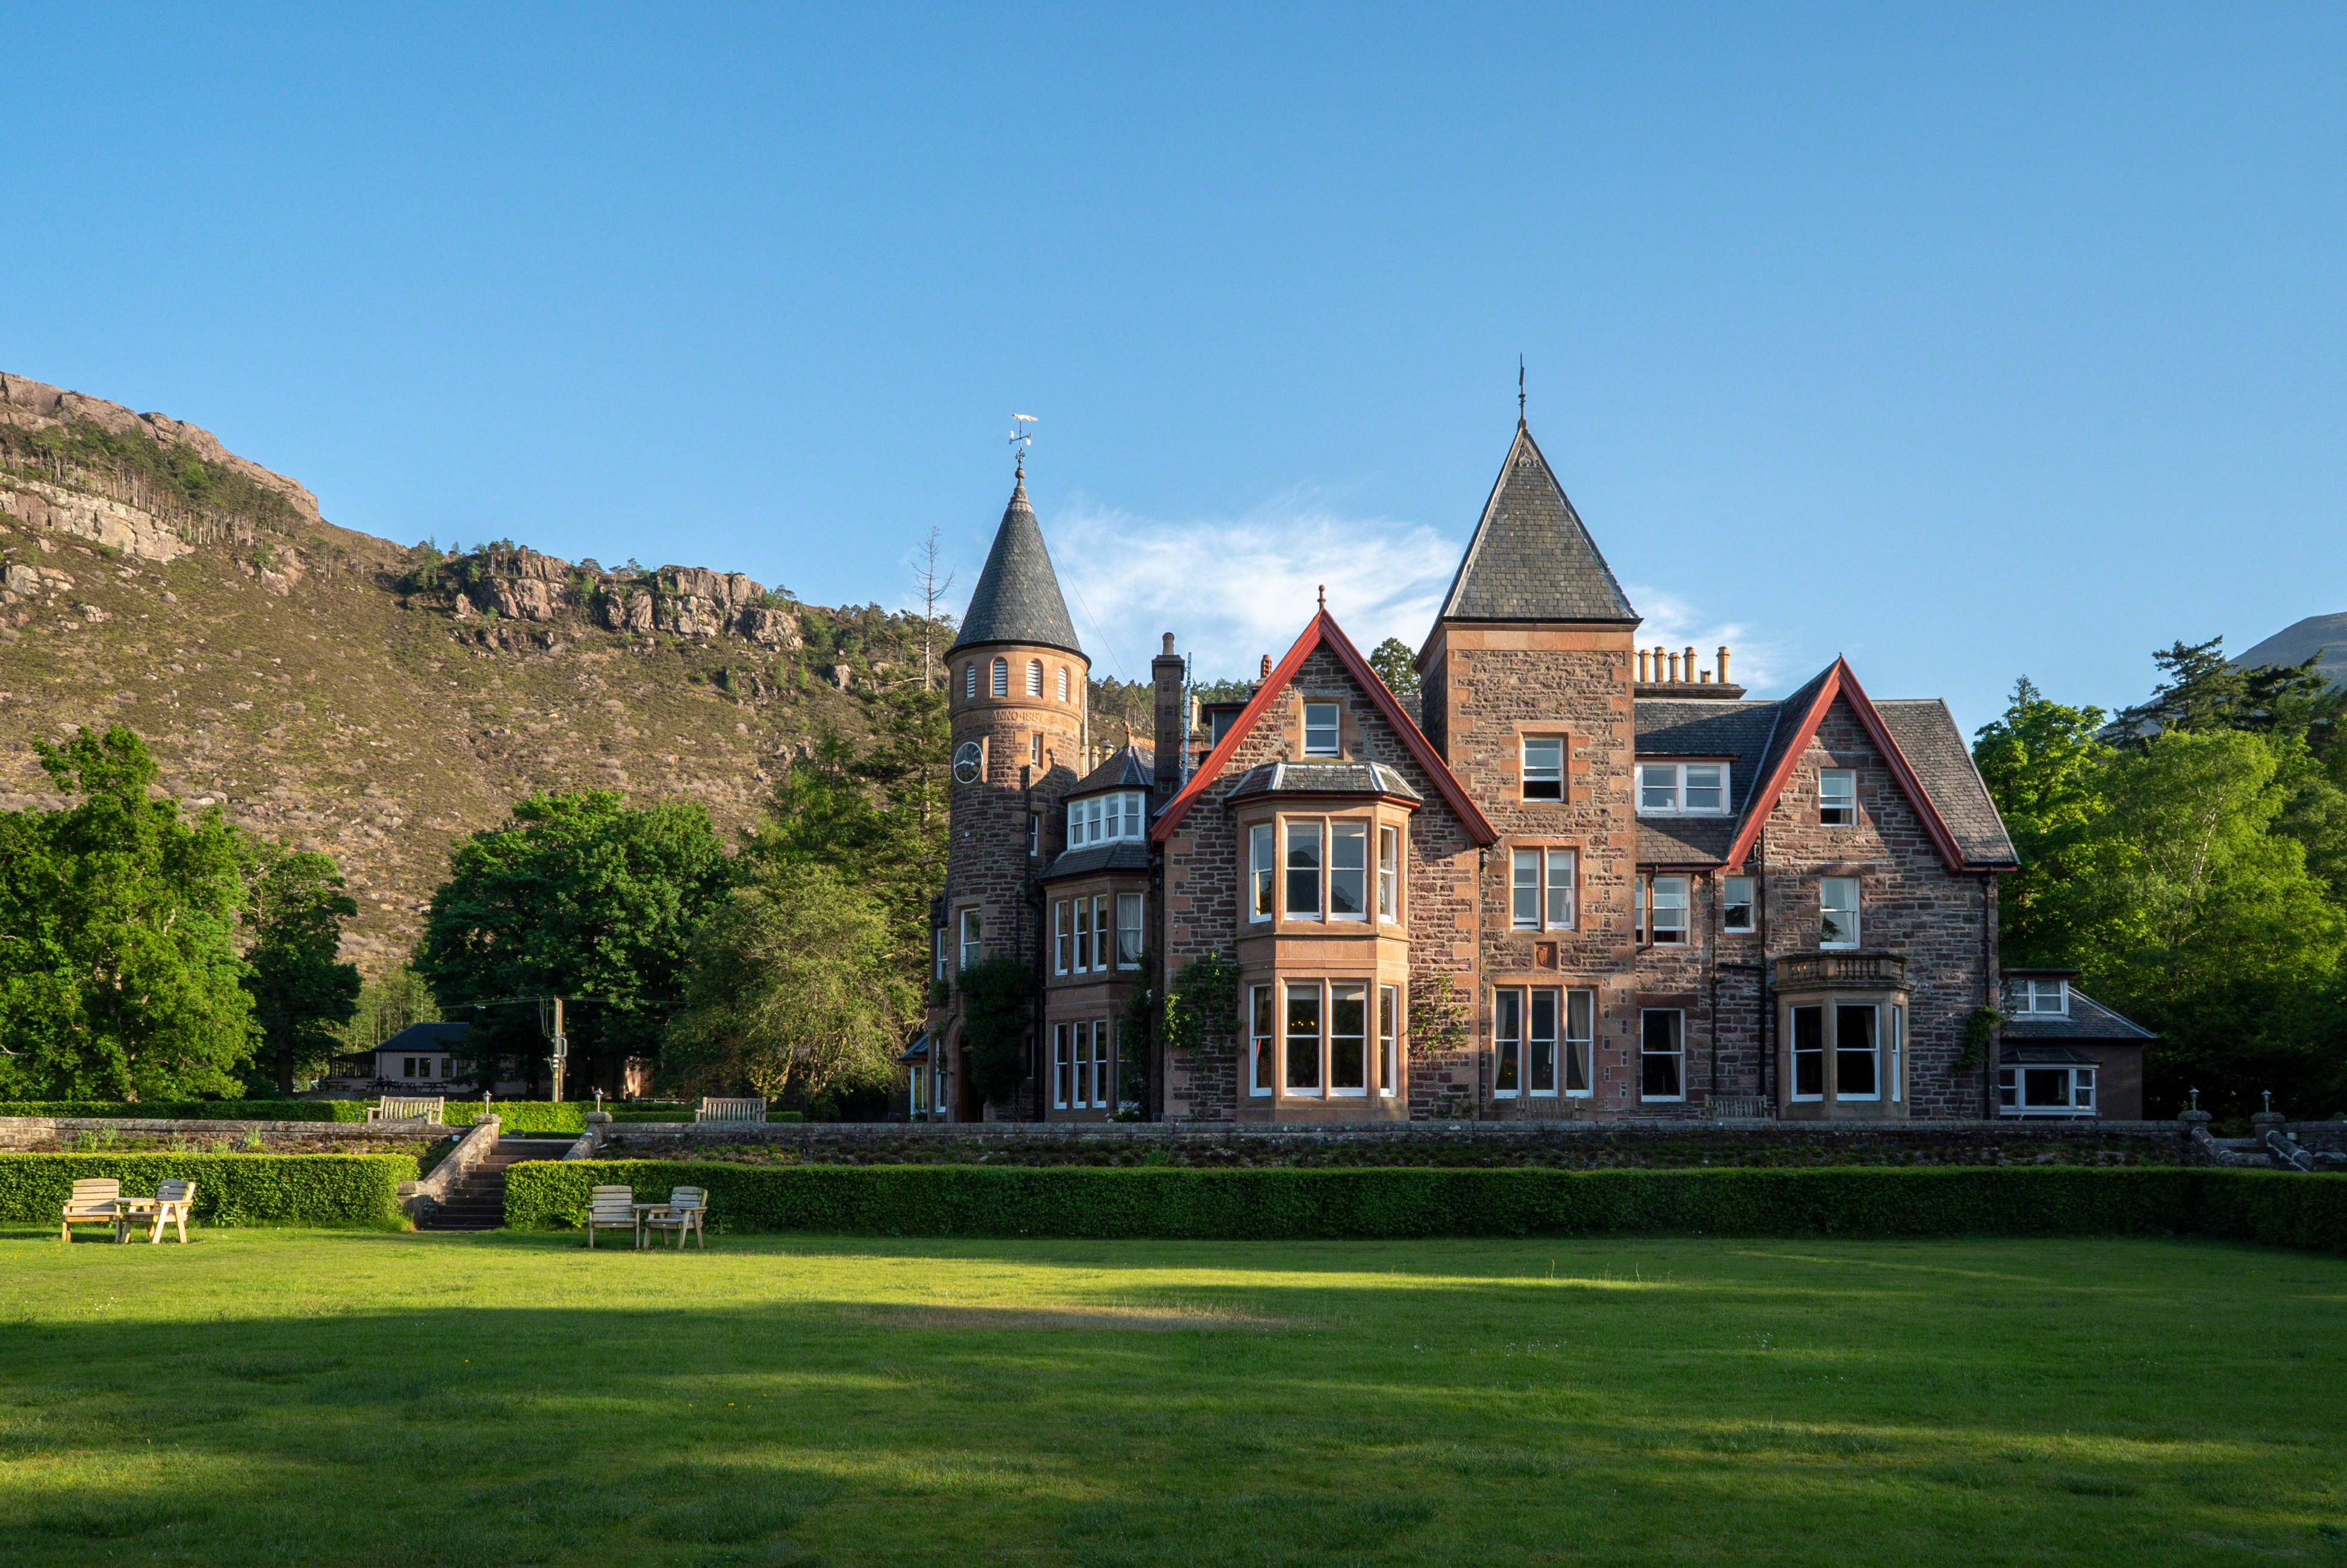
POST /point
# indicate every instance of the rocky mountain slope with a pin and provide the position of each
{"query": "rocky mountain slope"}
(346, 694)
(2323, 638)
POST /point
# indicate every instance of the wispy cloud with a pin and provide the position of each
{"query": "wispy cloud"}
(1231, 589)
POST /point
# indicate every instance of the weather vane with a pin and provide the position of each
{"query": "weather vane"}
(1021, 437)
(1520, 389)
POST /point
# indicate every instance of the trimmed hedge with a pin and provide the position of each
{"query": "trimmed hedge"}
(516, 1117)
(1269, 1203)
(277, 1189)
(193, 1110)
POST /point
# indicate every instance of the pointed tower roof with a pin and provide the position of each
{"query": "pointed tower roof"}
(1532, 558)
(1018, 594)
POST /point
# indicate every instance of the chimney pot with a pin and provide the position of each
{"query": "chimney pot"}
(1723, 663)
(1642, 665)
(1674, 668)
(1690, 666)
(1264, 674)
(1169, 642)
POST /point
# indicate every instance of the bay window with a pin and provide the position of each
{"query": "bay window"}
(1348, 871)
(1083, 934)
(1837, 911)
(1856, 1069)
(1263, 1044)
(1107, 818)
(1846, 1051)
(1263, 869)
(1348, 1038)
(1321, 869)
(1063, 936)
(2045, 1088)
(1388, 873)
(1808, 1037)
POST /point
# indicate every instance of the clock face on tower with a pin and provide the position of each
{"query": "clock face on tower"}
(966, 762)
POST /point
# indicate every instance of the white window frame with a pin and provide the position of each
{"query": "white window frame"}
(1263, 1039)
(1334, 729)
(1133, 905)
(1318, 830)
(1677, 1056)
(1540, 875)
(2009, 1087)
(1336, 993)
(1063, 1075)
(1794, 1052)
(1099, 1064)
(2028, 997)
(1263, 871)
(1063, 936)
(1351, 830)
(1292, 991)
(1571, 1061)
(1837, 793)
(1083, 927)
(1681, 890)
(1524, 889)
(973, 938)
(1563, 868)
(1388, 873)
(1873, 1051)
(1650, 777)
(1549, 776)
(1508, 1018)
(1895, 1047)
(1389, 1040)
(1831, 886)
(1554, 996)
(1579, 1043)
(1750, 902)
(1103, 957)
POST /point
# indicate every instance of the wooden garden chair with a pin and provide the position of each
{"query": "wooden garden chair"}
(683, 1213)
(613, 1208)
(96, 1201)
(174, 1201)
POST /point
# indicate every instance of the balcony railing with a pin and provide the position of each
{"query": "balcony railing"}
(1837, 971)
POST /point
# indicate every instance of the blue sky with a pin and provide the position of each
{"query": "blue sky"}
(1966, 341)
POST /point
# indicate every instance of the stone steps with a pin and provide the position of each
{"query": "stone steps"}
(478, 1202)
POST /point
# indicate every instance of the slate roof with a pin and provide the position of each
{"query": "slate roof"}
(1018, 594)
(2088, 1019)
(1927, 734)
(1532, 558)
(1324, 778)
(1130, 768)
(428, 1037)
(1123, 854)
(1755, 736)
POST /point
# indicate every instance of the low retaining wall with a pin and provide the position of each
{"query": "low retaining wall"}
(1565, 1146)
(18, 1132)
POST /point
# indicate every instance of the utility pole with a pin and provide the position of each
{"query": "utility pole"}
(562, 1050)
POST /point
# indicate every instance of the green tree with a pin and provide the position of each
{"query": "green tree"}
(2044, 766)
(119, 978)
(792, 992)
(387, 1004)
(303, 994)
(578, 896)
(1397, 666)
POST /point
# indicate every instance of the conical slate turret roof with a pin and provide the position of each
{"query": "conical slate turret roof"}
(1532, 558)
(1018, 594)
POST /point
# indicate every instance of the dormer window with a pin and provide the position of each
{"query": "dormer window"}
(1320, 730)
(2037, 998)
(1681, 789)
(1105, 819)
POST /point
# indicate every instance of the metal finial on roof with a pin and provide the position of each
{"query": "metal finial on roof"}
(1324, 596)
(1021, 437)
(1520, 389)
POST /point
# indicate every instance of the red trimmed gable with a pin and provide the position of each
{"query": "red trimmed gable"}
(1842, 681)
(1324, 633)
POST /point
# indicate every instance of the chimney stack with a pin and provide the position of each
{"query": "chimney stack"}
(1264, 673)
(1723, 663)
(1165, 673)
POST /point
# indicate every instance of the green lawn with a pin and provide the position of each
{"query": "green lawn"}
(397, 1400)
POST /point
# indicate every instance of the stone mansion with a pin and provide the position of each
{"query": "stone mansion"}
(1574, 876)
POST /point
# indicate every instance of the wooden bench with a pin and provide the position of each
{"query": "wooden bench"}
(731, 1111)
(96, 1201)
(685, 1210)
(611, 1209)
(425, 1107)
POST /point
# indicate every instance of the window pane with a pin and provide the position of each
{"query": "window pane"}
(1669, 899)
(1265, 1049)
(1523, 873)
(1348, 1039)
(1099, 1064)
(1099, 932)
(1303, 870)
(1260, 858)
(1544, 770)
(1083, 934)
(1348, 870)
(1838, 912)
(1540, 1049)
(1508, 1034)
(1659, 786)
(1064, 1081)
(1083, 1066)
(1659, 1057)
(1560, 889)
(2046, 1087)
(1389, 1052)
(1303, 1037)
(1810, 1053)
(1705, 791)
(1736, 903)
(1388, 873)
(1836, 796)
(1062, 937)
(1854, 1070)
(1319, 729)
(2083, 1096)
(1580, 1037)
(1128, 930)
